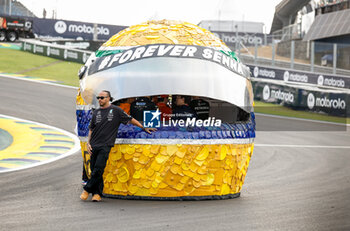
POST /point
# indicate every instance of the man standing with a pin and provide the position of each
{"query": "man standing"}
(102, 134)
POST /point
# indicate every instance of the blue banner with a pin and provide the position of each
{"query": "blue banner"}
(73, 29)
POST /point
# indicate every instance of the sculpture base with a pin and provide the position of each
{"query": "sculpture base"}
(185, 198)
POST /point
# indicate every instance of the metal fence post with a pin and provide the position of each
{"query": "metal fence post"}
(334, 58)
(292, 54)
(10, 7)
(312, 58)
(239, 48)
(273, 54)
(94, 36)
(236, 26)
(255, 52)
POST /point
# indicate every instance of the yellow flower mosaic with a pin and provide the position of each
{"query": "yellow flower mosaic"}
(176, 170)
(164, 31)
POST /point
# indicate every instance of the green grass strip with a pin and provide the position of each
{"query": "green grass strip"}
(14, 61)
(279, 110)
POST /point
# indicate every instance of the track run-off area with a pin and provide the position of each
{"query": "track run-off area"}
(298, 179)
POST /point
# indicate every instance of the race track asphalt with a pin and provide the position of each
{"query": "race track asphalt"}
(298, 179)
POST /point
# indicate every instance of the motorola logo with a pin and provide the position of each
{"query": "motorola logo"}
(330, 81)
(256, 72)
(263, 73)
(282, 95)
(311, 101)
(331, 103)
(286, 76)
(295, 77)
(60, 27)
(266, 92)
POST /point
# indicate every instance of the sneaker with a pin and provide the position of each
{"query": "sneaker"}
(96, 198)
(84, 195)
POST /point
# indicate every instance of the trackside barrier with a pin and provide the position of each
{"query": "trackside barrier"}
(306, 98)
(55, 51)
(328, 94)
(300, 77)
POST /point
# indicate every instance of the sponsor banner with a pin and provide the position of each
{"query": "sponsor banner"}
(265, 73)
(248, 39)
(81, 45)
(165, 50)
(333, 81)
(37, 49)
(289, 76)
(56, 52)
(27, 46)
(73, 29)
(328, 102)
(273, 93)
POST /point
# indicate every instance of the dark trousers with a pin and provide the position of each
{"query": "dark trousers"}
(98, 162)
(84, 176)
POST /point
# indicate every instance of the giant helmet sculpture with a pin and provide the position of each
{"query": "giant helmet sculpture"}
(198, 160)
